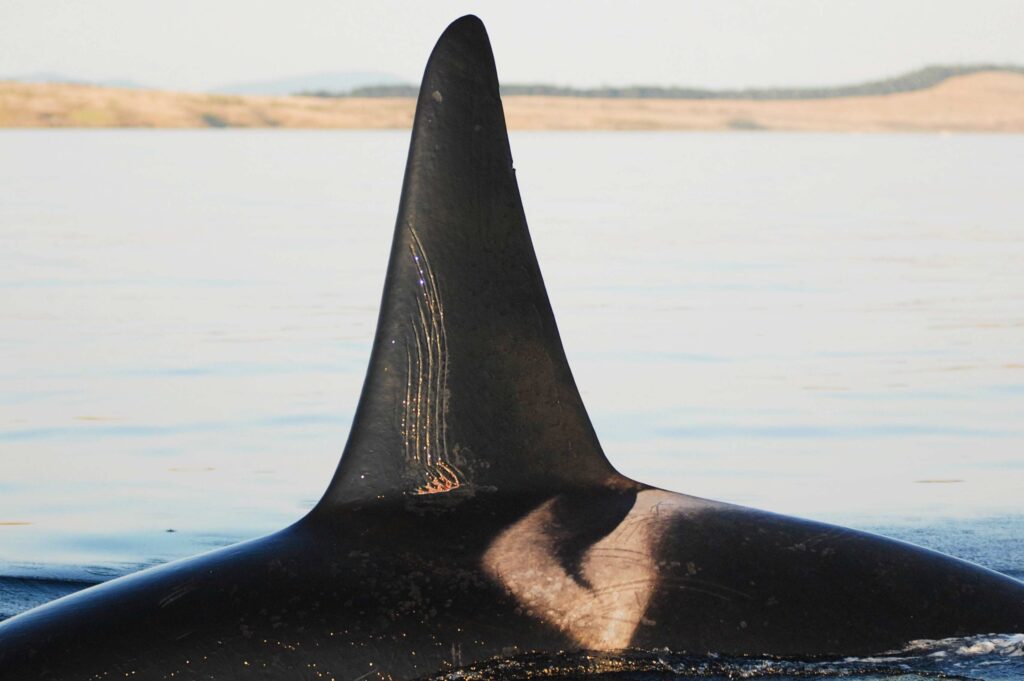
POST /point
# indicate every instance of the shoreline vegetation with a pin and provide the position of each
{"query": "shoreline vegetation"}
(920, 79)
(935, 99)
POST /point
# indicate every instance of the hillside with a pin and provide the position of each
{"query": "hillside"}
(921, 79)
(985, 101)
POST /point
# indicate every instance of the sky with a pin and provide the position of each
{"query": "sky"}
(201, 44)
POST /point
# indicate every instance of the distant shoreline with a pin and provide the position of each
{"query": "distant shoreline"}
(921, 79)
(980, 101)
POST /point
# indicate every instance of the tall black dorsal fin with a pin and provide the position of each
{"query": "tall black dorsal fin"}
(468, 387)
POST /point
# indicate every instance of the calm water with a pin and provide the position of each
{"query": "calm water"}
(824, 325)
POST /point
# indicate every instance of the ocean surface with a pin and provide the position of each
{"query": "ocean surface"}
(830, 326)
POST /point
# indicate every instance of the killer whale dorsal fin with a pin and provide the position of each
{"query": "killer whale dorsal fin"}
(468, 387)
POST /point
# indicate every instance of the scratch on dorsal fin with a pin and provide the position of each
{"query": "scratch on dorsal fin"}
(425, 409)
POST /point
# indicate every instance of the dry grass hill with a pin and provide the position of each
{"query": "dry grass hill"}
(979, 102)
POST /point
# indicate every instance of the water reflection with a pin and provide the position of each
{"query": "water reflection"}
(806, 323)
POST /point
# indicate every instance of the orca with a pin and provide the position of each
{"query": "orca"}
(473, 514)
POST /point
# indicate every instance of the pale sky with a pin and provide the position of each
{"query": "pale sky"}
(199, 44)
